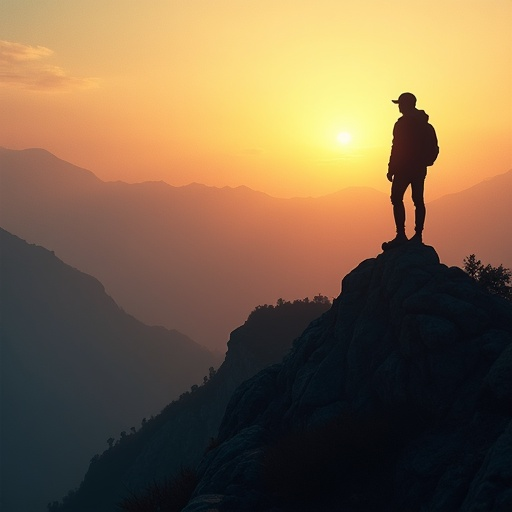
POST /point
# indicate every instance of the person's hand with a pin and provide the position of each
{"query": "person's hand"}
(389, 176)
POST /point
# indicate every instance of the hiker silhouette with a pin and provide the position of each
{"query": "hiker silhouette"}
(414, 148)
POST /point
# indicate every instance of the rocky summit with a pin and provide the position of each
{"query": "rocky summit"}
(398, 398)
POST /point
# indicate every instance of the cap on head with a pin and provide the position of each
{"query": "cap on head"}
(407, 99)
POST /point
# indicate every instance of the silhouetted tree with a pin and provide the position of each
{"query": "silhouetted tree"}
(494, 279)
(321, 299)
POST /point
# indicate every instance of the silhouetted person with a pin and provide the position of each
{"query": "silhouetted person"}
(414, 149)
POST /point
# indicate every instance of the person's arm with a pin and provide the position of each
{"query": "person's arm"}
(392, 156)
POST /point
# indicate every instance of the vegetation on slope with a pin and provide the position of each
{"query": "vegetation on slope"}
(266, 337)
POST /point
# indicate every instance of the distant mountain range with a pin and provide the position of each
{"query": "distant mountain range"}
(75, 370)
(198, 258)
(475, 220)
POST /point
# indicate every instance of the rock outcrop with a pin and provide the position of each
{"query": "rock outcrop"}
(397, 398)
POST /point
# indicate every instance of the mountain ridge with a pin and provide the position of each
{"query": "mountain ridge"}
(50, 156)
(163, 251)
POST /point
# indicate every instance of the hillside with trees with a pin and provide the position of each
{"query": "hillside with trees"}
(178, 436)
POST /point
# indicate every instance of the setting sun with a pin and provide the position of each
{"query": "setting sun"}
(344, 138)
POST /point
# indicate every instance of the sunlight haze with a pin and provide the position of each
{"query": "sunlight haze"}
(256, 93)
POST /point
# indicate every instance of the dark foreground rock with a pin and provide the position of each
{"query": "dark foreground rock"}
(398, 398)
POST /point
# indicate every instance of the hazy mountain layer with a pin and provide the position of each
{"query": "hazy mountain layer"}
(474, 221)
(171, 255)
(75, 369)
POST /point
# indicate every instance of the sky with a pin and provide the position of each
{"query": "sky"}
(257, 92)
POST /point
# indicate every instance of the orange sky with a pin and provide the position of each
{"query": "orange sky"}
(255, 92)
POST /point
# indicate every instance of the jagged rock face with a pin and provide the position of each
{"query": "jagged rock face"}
(400, 396)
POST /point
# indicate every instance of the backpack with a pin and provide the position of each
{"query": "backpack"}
(431, 149)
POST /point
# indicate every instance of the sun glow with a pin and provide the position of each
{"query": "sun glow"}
(344, 138)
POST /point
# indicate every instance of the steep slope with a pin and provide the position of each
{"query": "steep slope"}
(397, 399)
(180, 434)
(75, 369)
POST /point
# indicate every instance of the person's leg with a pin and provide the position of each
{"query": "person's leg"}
(398, 188)
(417, 189)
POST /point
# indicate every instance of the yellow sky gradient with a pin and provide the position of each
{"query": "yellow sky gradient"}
(255, 92)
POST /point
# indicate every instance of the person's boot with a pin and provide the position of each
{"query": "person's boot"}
(400, 239)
